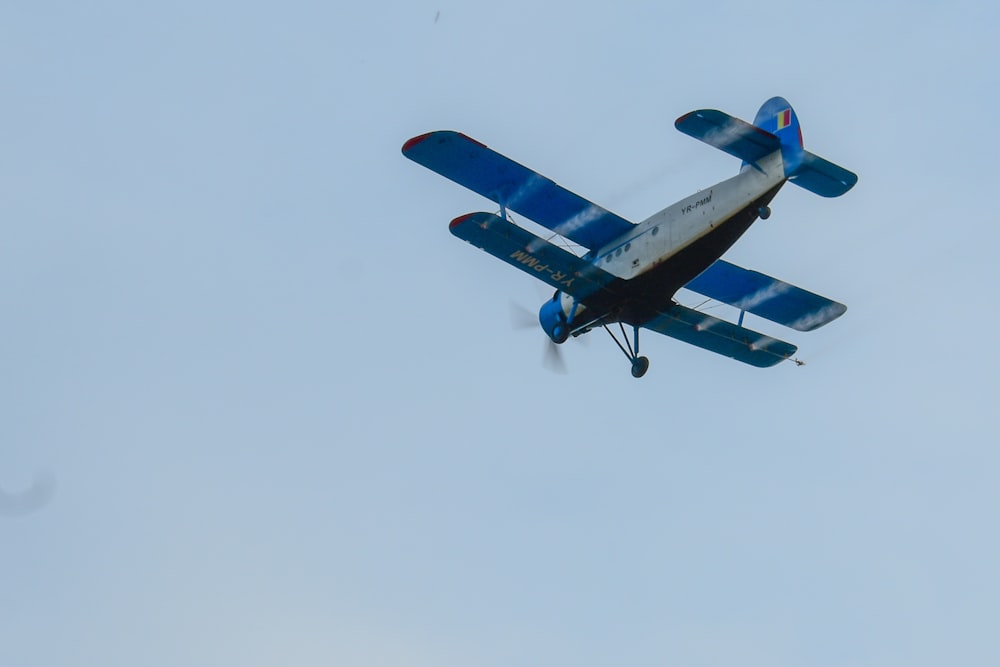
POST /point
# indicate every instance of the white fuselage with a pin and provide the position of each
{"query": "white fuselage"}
(661, 236)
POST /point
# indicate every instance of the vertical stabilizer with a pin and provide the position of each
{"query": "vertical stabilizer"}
(778, 117)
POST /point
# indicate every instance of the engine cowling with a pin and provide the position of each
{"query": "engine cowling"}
(554, 318)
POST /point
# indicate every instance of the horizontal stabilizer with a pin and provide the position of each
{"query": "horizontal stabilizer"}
(521, 249)
(515, 187)
(822, 177)
(765, 296)
(732, 135)
(719, 336)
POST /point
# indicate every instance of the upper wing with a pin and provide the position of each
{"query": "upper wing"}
(732, 135)
(533, 255)
(477, 167)
(765, 296)
(720, 336)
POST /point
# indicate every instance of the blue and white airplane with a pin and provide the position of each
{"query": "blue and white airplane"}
(630, 273)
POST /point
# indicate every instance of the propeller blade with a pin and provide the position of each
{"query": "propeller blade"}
(522, 318)
(553, 359)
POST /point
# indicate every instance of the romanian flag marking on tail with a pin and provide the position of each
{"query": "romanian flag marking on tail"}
(784, 119)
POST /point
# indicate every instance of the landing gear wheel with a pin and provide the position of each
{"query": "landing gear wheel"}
(560, 333)
(639, 366)
(764, 212)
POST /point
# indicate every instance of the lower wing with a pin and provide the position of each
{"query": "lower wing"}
(711, 333)
(532, 254)
(765, 296)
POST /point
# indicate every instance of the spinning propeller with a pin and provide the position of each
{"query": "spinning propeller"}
(521, 318)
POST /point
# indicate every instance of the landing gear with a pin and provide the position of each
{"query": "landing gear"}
(639, 364)
(764, 212)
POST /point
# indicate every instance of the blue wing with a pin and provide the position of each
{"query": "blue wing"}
(728, 133)
(719, 336)
(477, 167)
(765, 296)
(533, 255)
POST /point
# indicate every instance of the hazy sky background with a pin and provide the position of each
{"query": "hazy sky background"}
(267, 410)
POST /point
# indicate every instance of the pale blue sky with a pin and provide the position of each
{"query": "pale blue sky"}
(287, 419)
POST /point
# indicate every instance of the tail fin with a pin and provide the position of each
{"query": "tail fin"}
(802, 168)
(778, 117)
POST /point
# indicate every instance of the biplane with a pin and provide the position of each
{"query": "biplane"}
(628, 274)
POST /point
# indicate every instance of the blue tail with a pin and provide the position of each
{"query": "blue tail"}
(776, 127)
(802, 168)
(778, 117)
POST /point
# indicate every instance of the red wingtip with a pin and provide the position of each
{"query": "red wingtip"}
(683, 118)
(409, 145)
(445, 135)
(459, 220)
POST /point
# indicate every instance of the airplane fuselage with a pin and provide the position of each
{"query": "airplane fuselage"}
(668, 249)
